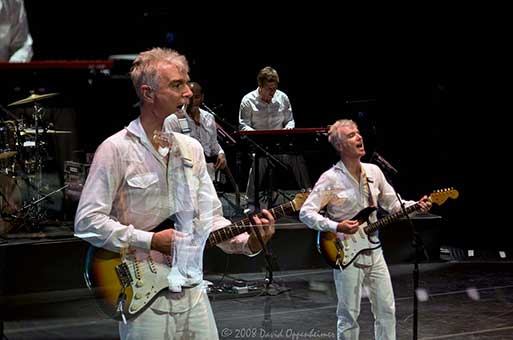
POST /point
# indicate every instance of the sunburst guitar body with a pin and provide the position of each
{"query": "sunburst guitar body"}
(341, 250)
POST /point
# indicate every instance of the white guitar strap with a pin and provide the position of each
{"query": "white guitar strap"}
(366, 188)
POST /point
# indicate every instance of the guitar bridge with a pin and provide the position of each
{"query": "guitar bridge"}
(124, 275)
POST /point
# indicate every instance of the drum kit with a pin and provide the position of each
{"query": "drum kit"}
(23, 149)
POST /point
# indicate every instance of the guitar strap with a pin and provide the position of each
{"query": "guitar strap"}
(366, 188)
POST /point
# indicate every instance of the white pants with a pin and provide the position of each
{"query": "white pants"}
(195, 323)
(349, 284)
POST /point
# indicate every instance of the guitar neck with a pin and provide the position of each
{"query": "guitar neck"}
(242, 226)
(370, 228)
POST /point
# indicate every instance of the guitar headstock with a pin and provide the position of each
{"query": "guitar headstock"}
(299, 199)
(440, 196)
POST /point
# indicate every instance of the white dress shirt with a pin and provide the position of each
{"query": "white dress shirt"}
(255, 114)
(130, 189)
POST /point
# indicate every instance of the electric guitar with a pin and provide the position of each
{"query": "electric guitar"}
(123, 284)
(340, 250)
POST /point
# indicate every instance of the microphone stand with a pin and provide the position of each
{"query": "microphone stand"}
(222, 120)
(263, 151)
(418, 245)
(227, 171)
(271, 288)
(272, 162)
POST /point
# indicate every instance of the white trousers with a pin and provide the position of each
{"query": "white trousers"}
(349, 284)
(195, 323)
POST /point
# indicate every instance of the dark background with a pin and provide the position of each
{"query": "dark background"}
(407, 83)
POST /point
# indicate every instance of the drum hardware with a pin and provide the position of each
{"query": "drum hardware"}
(22, 153)
(30, 131)
(32, 213)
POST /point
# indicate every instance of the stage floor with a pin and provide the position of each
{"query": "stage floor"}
(461, 299)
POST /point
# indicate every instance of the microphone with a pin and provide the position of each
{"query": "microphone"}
(383, 164)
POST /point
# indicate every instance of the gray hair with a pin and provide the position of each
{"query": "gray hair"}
(144, 67)
(334, 136)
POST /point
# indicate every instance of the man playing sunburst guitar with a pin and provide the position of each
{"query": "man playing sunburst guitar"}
(343, 191)
(139, 177)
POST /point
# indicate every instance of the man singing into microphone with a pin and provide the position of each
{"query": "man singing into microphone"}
(342, 191)
(200, 125)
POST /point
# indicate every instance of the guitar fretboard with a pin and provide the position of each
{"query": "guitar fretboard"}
(370, 228)
(242, 226)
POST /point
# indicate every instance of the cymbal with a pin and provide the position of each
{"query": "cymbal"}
(32, 98)
(7, 154)
(32, 131)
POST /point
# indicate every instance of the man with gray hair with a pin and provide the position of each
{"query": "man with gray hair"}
(141, 176)
(343, 191)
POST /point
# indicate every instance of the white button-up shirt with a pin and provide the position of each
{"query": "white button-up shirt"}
(255, 114)
(130, 189)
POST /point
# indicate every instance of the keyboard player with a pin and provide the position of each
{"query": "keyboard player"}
(268, 108)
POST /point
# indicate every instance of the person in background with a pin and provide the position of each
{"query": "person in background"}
(268, 108)
(139, 177)
(15, 38)
(200, 125)
(342, 191)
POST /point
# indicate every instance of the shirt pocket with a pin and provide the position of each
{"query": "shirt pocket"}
(345, 201)
(144, 193)
(342, 196)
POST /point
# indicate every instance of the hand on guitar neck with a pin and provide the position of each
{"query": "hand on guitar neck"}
(265, 228)
(352, 226)
(340, 252)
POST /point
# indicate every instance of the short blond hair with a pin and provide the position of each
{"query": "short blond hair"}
(334, 136)
(145, 66)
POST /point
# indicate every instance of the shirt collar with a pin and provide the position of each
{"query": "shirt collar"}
(341, 166)
(135, 128)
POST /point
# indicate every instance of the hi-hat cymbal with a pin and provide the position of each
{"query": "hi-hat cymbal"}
(32, 98)
(32, 131)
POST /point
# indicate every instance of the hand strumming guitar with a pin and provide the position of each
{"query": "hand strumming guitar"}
(348, 226)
